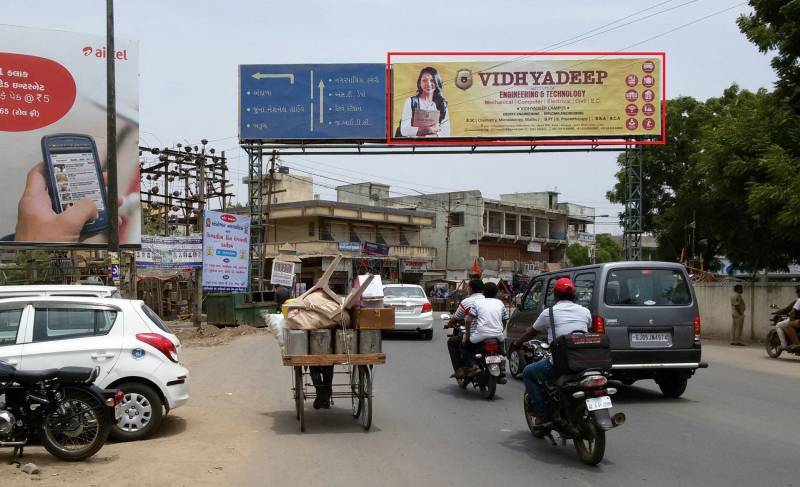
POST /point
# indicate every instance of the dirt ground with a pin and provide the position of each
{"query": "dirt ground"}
(200, 443)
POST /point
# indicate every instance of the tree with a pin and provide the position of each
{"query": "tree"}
(607, 249)
(775, 26)
(578, 255)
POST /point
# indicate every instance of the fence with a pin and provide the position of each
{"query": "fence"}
(714, 300)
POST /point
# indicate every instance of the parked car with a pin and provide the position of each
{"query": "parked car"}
(76, 290)
(647, 309)
(135, 350)
(412, 310)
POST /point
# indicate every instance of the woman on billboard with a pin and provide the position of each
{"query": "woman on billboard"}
(425, 114)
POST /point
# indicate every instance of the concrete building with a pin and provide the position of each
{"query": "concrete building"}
(579, 217)
(286, 187)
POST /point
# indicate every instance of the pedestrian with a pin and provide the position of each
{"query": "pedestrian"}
(737, 313)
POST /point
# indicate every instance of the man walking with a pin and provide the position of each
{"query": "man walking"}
(737, 313)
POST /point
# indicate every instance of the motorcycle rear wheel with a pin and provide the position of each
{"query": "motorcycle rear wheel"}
(773, 344)
(488, 386)
(77, 428)
(591, 444)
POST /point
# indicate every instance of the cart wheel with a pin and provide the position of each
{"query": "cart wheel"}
(365, 389)
(355, 395)
(299, 397)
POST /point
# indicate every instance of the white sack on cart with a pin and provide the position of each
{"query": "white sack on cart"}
(276, 325)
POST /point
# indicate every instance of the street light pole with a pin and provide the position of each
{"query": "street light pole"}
(594, 236)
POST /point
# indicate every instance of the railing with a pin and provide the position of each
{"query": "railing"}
(322, 247)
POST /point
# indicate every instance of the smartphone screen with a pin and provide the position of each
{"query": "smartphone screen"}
(74, 174)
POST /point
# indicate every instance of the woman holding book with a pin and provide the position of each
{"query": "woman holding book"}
(425, 114)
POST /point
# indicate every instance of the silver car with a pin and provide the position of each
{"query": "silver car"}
(412, 310)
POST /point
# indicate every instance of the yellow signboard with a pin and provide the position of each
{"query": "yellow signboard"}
(574, 98)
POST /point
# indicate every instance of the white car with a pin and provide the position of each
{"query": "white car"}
(135, 350)
(412, 310)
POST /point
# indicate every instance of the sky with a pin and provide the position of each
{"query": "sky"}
(190, 50)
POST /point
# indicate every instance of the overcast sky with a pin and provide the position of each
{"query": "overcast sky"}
(190, 51)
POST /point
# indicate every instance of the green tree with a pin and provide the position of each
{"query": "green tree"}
(774, 25)
(607, 249)
(578, 254)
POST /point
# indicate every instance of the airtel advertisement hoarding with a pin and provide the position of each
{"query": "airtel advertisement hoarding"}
(554, 96)
(53, 139)
(226, 251)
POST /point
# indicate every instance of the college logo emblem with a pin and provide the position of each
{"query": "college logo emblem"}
(648, 81)
(648, 109)
(648, 96)
(648, 66)
(464, 79)
(631, 109)
(632, 124)
(648, 124)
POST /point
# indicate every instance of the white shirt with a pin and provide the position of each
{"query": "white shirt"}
(406, 130)
(467, 304)
(489, 314)
(569, 317)
(797, 306)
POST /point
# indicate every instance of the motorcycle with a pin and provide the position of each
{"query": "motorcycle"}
(579, 405)
(488, 357)
(61, 408)
(773, 341)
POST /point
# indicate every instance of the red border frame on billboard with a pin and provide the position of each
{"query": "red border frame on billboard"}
(531, 142)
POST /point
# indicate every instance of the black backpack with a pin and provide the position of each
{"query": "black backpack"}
(414, 107)
(576, 352)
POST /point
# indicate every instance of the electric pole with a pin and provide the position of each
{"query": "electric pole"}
(447, 237)
(201, 205)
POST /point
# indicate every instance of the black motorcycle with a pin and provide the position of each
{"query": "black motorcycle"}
(579, 406)
(488, 357)
(773, 341)
(61, 408)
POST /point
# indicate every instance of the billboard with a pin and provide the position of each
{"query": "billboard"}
(300, 102)
(170, 252)
(226, 251)
(527, 97)
(53, 138)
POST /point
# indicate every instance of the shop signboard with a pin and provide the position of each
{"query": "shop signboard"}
(178, 252)
(534, 247)
(350, 246)
(414, 265)
(371, 248)
(226, 251)
(282, 273)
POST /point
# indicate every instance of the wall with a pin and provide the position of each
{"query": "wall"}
(714, 300)
(362, 193)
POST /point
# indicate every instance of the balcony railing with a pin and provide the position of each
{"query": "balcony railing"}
(323, 247)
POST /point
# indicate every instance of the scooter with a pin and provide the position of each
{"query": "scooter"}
(773, 341)
(488, 357)
(579, 404)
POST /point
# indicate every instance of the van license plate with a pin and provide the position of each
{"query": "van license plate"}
(595, 403)
(651, 340)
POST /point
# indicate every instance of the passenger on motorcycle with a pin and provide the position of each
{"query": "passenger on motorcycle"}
(454, 343)
(486, 320)
(569, 317)
(789, 326)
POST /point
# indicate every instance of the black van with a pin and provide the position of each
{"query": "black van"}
(647, 309)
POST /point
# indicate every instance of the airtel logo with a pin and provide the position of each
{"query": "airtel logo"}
(101, 53)
(228, 218)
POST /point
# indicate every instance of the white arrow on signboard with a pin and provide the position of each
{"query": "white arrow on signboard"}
(321, 101)
(289, 76)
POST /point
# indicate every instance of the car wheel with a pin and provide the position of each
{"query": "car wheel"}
(427, 334)
(142, 411)
(516, 363)
(673, 385)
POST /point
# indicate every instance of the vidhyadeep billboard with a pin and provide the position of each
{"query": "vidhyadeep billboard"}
(226, 251)
(53, 138)
(527, 97)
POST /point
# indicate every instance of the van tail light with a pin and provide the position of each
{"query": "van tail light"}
(490, 347)
(697, 328)
(160, 343)
(427, 308)
(598, 324)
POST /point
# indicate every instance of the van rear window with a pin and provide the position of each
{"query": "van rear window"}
(647, 287)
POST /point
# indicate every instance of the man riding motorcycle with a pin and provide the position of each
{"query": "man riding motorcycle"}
(569, 317)
(454, 344)
(789, 326)
(486, 321)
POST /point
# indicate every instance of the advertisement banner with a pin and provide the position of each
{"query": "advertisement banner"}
(371, 248)
(282, 273)
(525, 98)
(350, 246)
(414, 265)
(53, 138)
(226, 255)
(170, 252)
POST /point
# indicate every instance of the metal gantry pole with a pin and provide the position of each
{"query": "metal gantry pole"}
(632, 234)
(255, 201)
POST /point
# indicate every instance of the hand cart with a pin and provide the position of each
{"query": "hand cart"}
(358, 385)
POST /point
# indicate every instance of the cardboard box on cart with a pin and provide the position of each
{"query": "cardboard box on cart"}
(373, 318)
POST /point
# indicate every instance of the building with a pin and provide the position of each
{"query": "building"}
(286, 187)
(579, 217)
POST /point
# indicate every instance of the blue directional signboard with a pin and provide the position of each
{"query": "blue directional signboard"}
(292, 102)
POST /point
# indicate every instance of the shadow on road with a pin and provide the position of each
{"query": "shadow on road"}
(402, 335)
(638, 395)
(469, 394)
(541, 450)
(336, 420)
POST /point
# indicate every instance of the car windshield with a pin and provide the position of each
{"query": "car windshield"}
(647, 287)
(403, 292)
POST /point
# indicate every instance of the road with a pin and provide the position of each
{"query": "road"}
(736, 425)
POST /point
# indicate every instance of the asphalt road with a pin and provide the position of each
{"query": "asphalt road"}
(734, 426)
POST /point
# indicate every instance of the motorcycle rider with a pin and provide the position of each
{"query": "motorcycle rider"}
(788, 326)
(486, 320)
(454, 343)
(569, 317)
